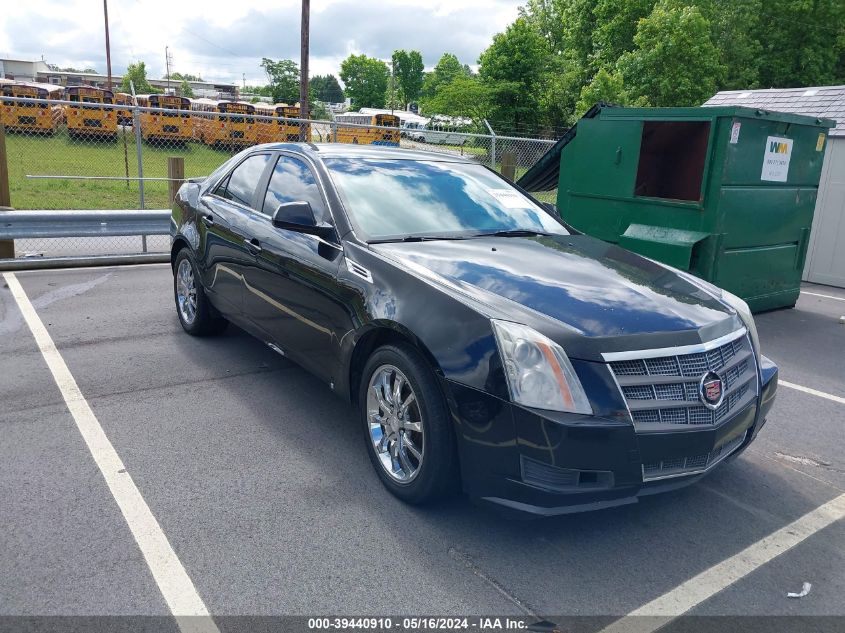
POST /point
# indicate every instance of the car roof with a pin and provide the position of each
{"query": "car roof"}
(347, 150)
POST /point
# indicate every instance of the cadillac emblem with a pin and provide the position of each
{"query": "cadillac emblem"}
(711, 390)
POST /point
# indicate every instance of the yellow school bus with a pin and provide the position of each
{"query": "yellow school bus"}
(280, 128)
(124, 116)
(374, 134)
(37, 115)
(201, 109)
(172, 123)
(220, 129)
(90, 121)
(290, 129)
(265, 123)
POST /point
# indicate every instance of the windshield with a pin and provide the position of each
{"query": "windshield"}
(395, 199)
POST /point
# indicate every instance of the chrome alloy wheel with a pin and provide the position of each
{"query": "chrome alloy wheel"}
(186, 292)
(395, 423)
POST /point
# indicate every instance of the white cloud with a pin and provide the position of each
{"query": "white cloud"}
(225, 40)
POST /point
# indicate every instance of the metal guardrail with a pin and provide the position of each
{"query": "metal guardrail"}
(18, 225)
(33, 225)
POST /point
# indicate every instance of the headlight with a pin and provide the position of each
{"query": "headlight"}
(538, 371)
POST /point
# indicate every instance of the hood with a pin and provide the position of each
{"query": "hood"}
(592, 287)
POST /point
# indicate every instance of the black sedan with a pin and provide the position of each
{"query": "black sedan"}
(485, 345)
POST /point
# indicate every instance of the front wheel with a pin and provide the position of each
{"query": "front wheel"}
(407, 425)
(196, 314)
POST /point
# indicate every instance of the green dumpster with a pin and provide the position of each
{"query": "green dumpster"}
(726, 193)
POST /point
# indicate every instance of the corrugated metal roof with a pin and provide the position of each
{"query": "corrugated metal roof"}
(821, 101)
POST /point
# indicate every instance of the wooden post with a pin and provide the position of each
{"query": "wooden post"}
(176, 174)
(7, 247)
(509, 165)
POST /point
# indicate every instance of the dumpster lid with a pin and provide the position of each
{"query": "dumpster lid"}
(543, 175)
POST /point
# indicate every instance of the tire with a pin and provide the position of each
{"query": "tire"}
(196, 314)
(435, 474)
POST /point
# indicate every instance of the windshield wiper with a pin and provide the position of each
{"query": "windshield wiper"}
(513, 233)
(416, 238)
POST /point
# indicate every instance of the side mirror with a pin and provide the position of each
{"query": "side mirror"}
(299, 216)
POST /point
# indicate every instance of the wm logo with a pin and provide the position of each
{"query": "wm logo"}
(777, 148)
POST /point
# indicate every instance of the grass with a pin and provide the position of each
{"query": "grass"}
(60, 156)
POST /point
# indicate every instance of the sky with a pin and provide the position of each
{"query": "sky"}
(224, 40)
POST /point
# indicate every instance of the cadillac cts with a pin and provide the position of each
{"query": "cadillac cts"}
(485, 345)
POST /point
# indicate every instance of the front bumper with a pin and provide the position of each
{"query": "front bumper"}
(548, 463)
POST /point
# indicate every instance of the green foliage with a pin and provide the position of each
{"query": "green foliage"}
(319, 112)
(615, 27)
(185, 77)
(462, 97)
(325, 88)
(284, 80)
(137, 74)
(675, 62)
(447, 68)
(409, 74)
(803, 42)
(513, 68)
(365, 79)
(185, 89)
(605, 86)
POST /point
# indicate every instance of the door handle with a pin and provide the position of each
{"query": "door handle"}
(253, 246)
(208, 220)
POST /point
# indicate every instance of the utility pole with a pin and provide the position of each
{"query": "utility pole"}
(243, 76)
(167, 66)
(392, 83)
(303, 67)
(108, 46)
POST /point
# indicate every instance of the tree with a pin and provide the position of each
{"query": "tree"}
(605, 86)
(462, 97)
(734, 28)
(137, 74)
(513, 67)
(447, 68)
(185, 89)
(409, 74)
(185, 76)
(615, 27)
(674, 63)
(802, 41)
(284, 80)
(365, 79)
(326, 88)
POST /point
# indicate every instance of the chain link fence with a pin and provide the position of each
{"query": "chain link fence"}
(72, 155)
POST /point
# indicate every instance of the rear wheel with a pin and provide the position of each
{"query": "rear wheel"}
(407, 425)
(196, 314)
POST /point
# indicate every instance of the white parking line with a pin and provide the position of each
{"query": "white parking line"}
(816, 294)
(167, 570)
(813, 392)
(708, 583)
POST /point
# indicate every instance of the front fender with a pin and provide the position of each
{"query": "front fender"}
(456, 338)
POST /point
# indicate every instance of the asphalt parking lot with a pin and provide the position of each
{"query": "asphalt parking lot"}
(257, 476)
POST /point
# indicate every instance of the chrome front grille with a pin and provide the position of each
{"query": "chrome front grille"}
(661, 387)
(692, 464)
